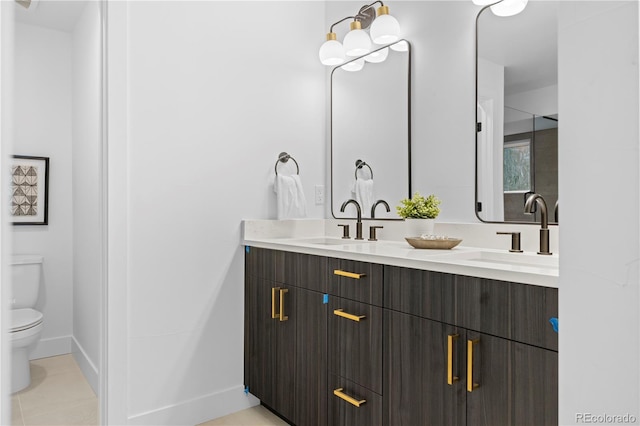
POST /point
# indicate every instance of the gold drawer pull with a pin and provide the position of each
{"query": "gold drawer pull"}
(451, 338)
(338, 392)
(341, 313)
(348, 274)
(470, 384)
(274, 314)
(283, 317)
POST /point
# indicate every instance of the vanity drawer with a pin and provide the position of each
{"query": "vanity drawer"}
(355, 342)
(514, 311)
(533, 307)
(353, 405)
(422, 293)
(361, 281)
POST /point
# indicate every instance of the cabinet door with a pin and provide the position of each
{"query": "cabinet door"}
(271, 343)
(285, 325)
(355, 337)
(261, 349)
(513, 383)
(311, 359)
(416, 372)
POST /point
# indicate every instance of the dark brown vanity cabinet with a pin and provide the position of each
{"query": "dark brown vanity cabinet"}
(368, 344)
(468, 351)
(355, 342)
(286, 334)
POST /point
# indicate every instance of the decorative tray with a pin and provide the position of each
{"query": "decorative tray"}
(433, 242)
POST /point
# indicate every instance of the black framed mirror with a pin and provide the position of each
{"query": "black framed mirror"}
(371, 132)
(516, 112)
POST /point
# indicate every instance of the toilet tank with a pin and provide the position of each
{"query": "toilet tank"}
(26, 272)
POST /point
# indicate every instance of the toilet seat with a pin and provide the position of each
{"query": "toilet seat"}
(24, 319)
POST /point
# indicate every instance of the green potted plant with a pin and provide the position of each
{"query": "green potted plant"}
(419, 207)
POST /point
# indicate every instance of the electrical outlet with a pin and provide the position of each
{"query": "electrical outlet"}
(319, 194)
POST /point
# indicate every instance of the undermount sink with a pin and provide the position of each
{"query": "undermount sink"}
(326, 241)
(507, 258)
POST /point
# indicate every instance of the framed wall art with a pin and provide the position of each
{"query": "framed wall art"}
(29, 190)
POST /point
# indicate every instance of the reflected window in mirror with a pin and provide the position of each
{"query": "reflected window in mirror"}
(517, 111)
(370, 133)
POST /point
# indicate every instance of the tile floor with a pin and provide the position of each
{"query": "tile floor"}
(58, 395)
(254, 416)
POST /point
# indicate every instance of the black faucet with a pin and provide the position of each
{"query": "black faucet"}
(544, 221)
(359, 222)
(373, 207)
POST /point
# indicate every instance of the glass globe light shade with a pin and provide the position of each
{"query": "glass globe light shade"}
(354, 66)
(331, 52)
(509, 7)
(385, 28)
(356, 42)
(377, 56)
(400, 46)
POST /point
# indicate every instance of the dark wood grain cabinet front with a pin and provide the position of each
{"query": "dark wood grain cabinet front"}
(353, 405)
(355, 342)
(360, 281)
(286, 336)
(332, 342)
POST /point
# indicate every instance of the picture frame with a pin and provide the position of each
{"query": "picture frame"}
(29, 190)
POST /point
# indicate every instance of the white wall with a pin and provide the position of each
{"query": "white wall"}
(86, 166)
(42, 127)
(543, 101)
(599, 187)
(203, 97)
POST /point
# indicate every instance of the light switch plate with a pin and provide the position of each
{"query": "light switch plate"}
(319, 194)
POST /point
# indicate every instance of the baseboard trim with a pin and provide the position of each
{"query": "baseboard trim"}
(87, 367)
(52, 346)
(198, 410)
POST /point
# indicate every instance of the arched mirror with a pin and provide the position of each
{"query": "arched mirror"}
(371, 133)
(517, 112)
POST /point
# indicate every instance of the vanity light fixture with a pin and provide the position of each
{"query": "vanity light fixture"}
(357, 42)
(354, 66)
(384, 29)
(377, 56)
(503, 7)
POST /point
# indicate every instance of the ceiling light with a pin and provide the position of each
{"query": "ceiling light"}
(377, 56)
(354, 66)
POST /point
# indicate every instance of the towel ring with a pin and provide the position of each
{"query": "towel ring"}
(284, 158)
(360, 164)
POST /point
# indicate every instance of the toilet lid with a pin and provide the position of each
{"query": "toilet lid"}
(21, 319)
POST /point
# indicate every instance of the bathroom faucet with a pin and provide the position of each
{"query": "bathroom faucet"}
(529, 207)
(359, 222)
(373, 207)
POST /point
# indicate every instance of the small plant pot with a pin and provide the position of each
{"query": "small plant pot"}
(419, 227)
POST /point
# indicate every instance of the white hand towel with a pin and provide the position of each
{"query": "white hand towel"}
(291, 203)
(363, 194)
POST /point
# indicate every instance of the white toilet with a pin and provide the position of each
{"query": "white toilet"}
(26, 322)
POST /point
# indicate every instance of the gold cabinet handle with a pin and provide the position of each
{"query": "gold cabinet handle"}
(274, 314)
(451, 338)
(470, 384)
(341, 313)
(338, 392)
(348, 274)
(283, 317)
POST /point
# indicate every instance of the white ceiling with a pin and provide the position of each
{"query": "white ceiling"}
(526, 44)
(52, 14)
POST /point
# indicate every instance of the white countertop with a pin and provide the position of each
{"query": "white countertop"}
(526, 268)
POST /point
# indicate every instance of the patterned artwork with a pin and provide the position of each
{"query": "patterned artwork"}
(24, 199)
(29, 190)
